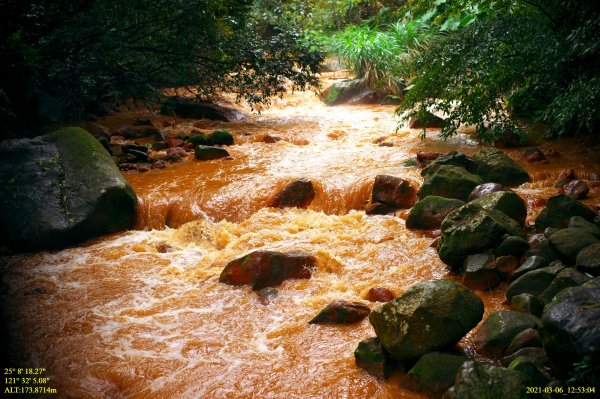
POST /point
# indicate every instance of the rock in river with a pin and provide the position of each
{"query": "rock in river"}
(430, 212)
(499, 329)
(393, 191)
(296, 194)
(449, 181)
(495, 166)
(483, 381)
(61, 189)
(342, 312)
(430, 316)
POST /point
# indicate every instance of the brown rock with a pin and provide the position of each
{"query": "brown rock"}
(297, 194)
(534, 154)
(134, 132)
(158, 164)
(394, 192)
(577, 189)
(175, 154)
(267, 268)
(378, 208)
(380, 294)
(506, 264)
(174, 143)
(269, 138)
(564, 177)
(164, 248)
(342, 312)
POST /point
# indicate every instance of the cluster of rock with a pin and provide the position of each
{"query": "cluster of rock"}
(552, 276)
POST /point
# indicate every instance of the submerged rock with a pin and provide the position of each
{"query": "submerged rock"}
(342, 312)
(499, 329)
(296, 194)
(393, 191)
(429, 212)
(371, 356)
(494, 165)
(449, 181)
(59, 190)
(267, 268)
(434, 373)
(428, 317)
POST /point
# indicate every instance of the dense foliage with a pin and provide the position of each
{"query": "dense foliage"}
(66, 58)
(513, 62)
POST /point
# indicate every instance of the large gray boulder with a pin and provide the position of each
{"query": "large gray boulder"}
(559, 210)
(431, 316)
(59, 190)
(472, 229)
(494, 165)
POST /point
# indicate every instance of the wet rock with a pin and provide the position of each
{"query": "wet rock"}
(531, 263)
(371, 356)
(495, 166)
(480, 272)
(506, 265)
(267, 268)
(185, 108)
(164, 248)
(175, 154)
(534, 282)
(570, 329)
(498, 330)
(136, 132)
(430, 316)
(174, 143)
(508, 202)
(206, 153)
(453, 158)
(342, 312)
(380, 294)
(158, 164)
(568, 277)
(449, 181)
(528, 338)
(576, 189)
(527, 303)
(536, 356)
(542, 248)
(271, 138)
(512, 245)
(482, 381)
(267, 295)
(198, 139)
(534, 154)
(296, 194)
(568, 242)
(588, 260)
(393, 192)
(577, 222)
(434, 373)
(484, 189)
(160, 145)
(560, 210)
(143, 167)
(342, 91)
(429, 212)
(220, 137)
(424, 158)
(60, 189)
(429, 121)
(532, 373)
(472, 229)
(378, 208)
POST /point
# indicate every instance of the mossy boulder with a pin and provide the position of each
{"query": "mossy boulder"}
(454, 158)
(483, 381)
(429, 212)
(371, 357)
(220, 137)
(434, 373)
(343, 91)
(559, 210)
(431, 316)
(534, 282)
(207, 153)
(449, 181)
(499, 329)
(472, 229)
(59, 190)
(341, 312)
(508, 202)
(494, 165)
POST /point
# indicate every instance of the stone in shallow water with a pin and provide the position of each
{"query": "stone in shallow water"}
(380, 294)
(482, 381)
(449, 181)
(495, 166)
(429, 212)
(371, 356)
(588, 260)
(499, 329)
(206, 153)
(434, 373)
(559, 211)
(296, 194)
(342, 312)
(484, 189)
(508, 202)
(393, 191)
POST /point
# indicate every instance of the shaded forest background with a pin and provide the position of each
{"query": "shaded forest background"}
(500, 65)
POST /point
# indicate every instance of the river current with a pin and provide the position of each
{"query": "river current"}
(141, 314)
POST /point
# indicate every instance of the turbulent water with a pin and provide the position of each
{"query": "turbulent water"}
(119, 317)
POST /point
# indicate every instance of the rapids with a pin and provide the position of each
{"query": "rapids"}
(117, 318)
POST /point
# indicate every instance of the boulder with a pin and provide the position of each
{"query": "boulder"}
(267, 268)
(512, 245)
(484, 189)
(536, 356)
(577, 222)
(220, 137)
(434, 373)
(534, 282)
(480, 272)
(576, 189)
(377, 208)
(296, 194)
(206, 153)
(528, 338)
(527, 303)
(453, 158)
(567, 277)
(588, 260)
(186, 108)
(198, 139)
(343, 91)
(342, 312)
(393, 191)
(427, 121)
(424, 158)
(499, 329)
(430, 316)
(568, 242)
(483, 381)
(472, 229)
(570, 329)
(534, 154)
(506, 265)
(136, 132)
(564, 177)
(371, 356)
(449, 181)
(508, 202)
(559, 210)
(494, 165)
(429, 212)
(59, 190)
(541, 248)
(380, 294)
